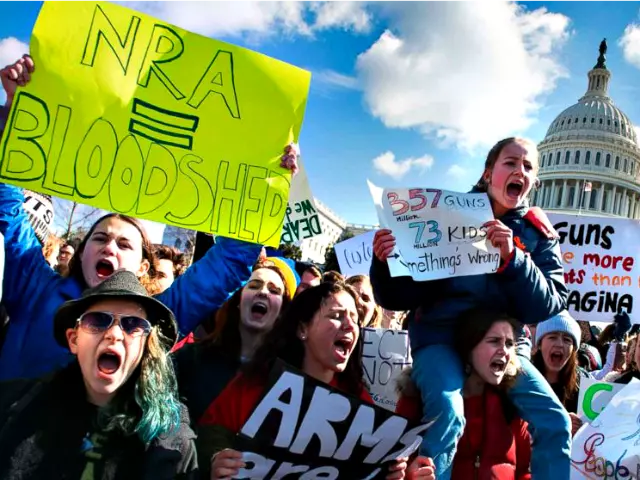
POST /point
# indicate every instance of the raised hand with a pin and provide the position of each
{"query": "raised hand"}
(16, 74)
(383, 244)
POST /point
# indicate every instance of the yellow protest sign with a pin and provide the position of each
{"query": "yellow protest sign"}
(130, 114)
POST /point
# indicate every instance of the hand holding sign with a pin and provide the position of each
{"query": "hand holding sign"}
(501, 237)
(383, 244)
(576, 423)
(422, 468)
(16, 74)
(290, 158)
(226, 464)
(397, 470)
(437, 233)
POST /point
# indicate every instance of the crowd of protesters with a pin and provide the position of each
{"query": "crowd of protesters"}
(120, 360)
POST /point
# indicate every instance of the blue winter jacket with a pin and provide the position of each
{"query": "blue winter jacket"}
(33, 291)
(531, 288)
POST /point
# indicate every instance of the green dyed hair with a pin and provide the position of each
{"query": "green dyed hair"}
(148, 404)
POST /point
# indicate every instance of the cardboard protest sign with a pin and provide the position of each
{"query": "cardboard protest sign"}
(133, 115)
(594, 396)
(609, 447)
(302, 220)
(385, 354)
(439, 233)
(355, 254)
(599, 258)
(305, 429)
(39, 209)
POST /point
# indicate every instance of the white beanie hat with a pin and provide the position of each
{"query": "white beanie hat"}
(562, 322)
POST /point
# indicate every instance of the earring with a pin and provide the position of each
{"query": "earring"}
(467, 369)
(303, 337)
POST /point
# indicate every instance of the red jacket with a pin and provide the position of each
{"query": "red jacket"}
(503, 449)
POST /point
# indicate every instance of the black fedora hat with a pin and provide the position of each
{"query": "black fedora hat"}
(122, 285)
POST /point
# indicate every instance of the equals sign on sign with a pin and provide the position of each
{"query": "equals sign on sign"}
(162, 126)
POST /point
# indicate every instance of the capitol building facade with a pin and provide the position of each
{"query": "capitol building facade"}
(590, 158)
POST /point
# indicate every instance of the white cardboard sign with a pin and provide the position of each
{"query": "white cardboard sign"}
(439, 233)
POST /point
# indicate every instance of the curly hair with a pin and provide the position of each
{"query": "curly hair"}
(175, 256)
(283, 342)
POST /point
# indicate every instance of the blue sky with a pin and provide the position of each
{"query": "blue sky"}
(412, 93)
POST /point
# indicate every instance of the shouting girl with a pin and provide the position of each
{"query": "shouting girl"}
(529, 286)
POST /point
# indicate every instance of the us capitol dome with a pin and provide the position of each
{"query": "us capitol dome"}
(590, 158)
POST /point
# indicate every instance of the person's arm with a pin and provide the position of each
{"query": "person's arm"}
(523, 450)
(25, 268)
(209, 282)
(608, 366)
(535, 282)
(401, 293)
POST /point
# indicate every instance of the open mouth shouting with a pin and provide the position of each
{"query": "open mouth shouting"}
(515, 189)
(259, 309)
(342, 347)
(105, 268)
(108, 363)
(498, 366)
(557, 359)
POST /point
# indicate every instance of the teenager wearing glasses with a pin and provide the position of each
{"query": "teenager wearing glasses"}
(111, 413)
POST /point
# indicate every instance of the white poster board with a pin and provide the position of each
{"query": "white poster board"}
(385, 354)
(439, 233)
(301, 220)
(40, 211)
(609, 447)
(355, 254)
(594, 395)
(600, 258)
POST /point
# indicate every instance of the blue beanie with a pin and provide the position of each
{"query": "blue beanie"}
(563, 322)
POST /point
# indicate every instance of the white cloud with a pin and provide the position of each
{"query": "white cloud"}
(457, 171)
(230, 18)
(386, 164)
(11, 49)
(331, 77)
(258, 19)
(630, 44)
(467, 73)
(345, 15)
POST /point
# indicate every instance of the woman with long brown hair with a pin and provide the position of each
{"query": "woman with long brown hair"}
(496, 443)
(558, 341)
(320, 335)
(204, 368)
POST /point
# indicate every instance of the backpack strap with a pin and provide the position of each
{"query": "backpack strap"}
(536, 217)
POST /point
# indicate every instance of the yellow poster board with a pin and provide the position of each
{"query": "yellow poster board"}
(133, 115)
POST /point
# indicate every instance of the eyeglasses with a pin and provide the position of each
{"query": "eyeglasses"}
(100, 322)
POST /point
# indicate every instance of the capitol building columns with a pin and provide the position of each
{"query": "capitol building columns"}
(590, 157)
(604, 198)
